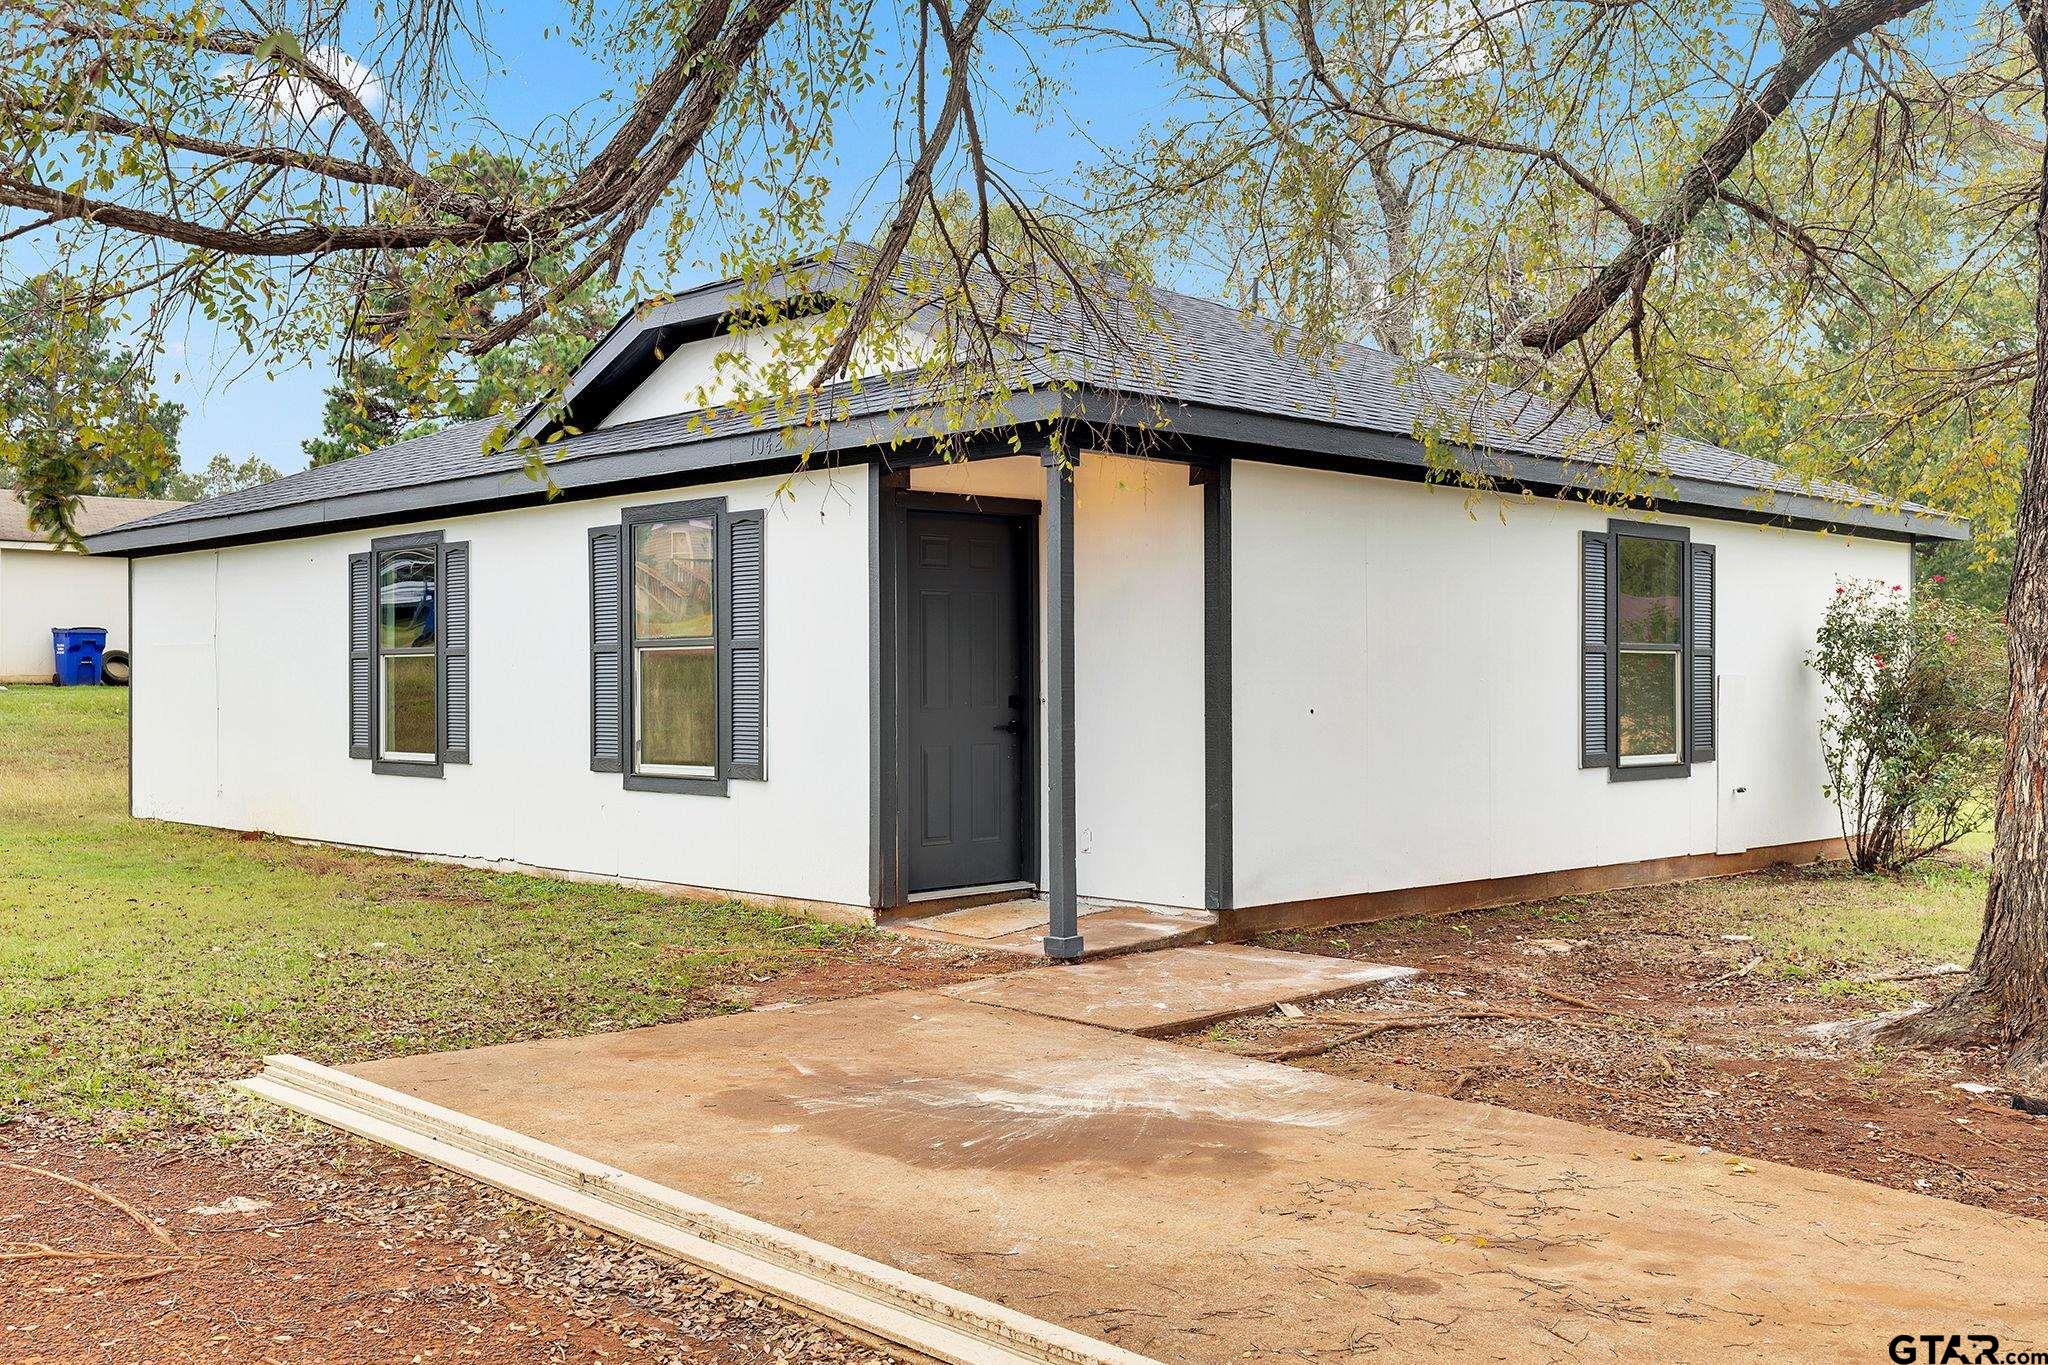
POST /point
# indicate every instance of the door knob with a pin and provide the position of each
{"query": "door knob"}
(1010, 727)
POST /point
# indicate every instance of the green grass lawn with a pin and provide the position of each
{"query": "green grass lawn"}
(1836, 929)
(143, 963)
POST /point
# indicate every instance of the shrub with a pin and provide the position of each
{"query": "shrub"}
(1913, 731)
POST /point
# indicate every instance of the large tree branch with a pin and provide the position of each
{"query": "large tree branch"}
(1818, 42)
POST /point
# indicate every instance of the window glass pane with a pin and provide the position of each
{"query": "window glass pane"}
(1650, 590)
(672, 580)
(1649, 706)
(678, 701)
(411, 725)
(405, 600)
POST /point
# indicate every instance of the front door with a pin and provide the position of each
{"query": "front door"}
(964, 703)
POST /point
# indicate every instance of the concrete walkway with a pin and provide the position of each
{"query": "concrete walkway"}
(1173, 992)
(1196, 1207)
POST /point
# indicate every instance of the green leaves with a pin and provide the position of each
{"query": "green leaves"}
(1913, 731)
(281, 45)
(77, 414)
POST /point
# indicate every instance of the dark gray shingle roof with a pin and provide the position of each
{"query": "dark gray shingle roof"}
(1190, 351)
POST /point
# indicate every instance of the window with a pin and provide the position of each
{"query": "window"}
(1647, 639)
(409, 654)
(678, 683)
(675, 648)
(407, 658)
(1650, 587)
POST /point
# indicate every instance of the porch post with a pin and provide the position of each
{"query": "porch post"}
(1063, 936)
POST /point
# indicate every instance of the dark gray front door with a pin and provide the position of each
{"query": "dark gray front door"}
(964, 712)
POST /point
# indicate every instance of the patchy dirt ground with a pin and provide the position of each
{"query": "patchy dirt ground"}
(1650, 1012)
(881, 963)
(293, 1244)
(315, 1248)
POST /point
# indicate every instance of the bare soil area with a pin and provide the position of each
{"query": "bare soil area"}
(314, 1248)
(1676, 1014)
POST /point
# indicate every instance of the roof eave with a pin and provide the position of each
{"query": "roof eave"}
(1333, 445)
(582, 476)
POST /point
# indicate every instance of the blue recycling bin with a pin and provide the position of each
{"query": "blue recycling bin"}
(78, 650)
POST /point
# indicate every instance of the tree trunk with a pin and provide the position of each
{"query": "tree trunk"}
(2004, 1000)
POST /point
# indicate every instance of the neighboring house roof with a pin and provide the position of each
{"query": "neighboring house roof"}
(94, 515)
(1192, 367)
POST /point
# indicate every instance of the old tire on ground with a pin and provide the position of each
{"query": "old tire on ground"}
(114, 670)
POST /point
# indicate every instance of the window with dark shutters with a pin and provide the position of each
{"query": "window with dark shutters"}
(663, 711)
(607, 643)
(408, 654)
(360, 739)
(1647, 636)
(454, 639)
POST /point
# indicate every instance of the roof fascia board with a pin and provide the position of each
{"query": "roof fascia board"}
(1327, 445)
(586, 476)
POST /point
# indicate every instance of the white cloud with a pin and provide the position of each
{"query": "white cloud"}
(1220, 21)
(294, 98)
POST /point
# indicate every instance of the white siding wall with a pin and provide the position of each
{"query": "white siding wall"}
(42, 588)
(1406, 694)
(719, 369)
(1137, 667)
(1406, 690)
(241, 704)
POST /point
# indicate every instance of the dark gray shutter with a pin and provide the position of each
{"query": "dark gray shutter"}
(1596, 687)
(607, 650)
(453, 633)
(360, 658)
(1700, 693)
(745, 642)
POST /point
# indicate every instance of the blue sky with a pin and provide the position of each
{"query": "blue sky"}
(235, 406)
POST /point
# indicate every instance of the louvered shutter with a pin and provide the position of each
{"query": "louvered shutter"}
(453, 634)
(360, 658)
(745, 647)
(607, 650)
(1700, 694)
(1596, 674)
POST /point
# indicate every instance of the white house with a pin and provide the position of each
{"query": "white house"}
(1242, 657)
(43, 587)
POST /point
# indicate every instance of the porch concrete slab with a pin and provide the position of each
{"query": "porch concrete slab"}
(1203, 1208)
(1171, 992)
(994, 921)
(1019, 927)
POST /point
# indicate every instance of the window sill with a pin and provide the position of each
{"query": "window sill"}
(687, 786)
(396, 767)
(1648, 772)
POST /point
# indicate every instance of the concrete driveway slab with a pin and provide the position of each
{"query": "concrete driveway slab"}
(1203, 1208)
(1170, 992)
